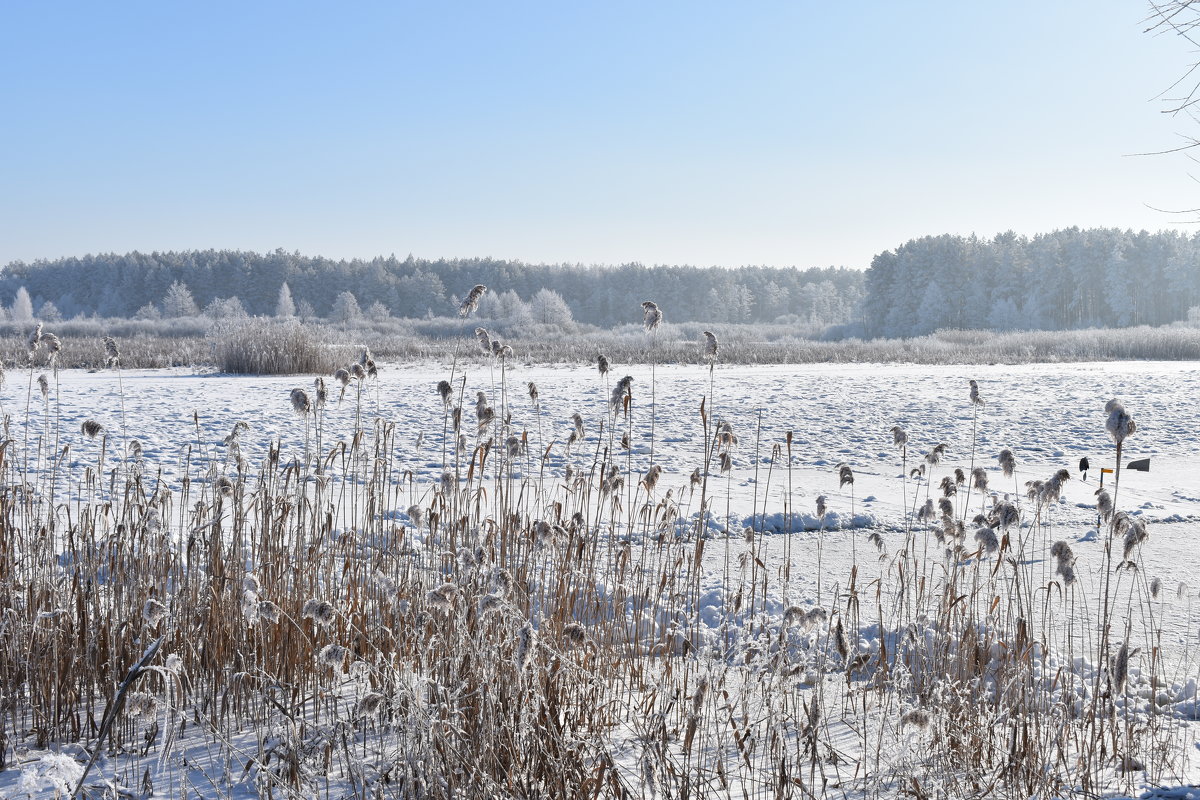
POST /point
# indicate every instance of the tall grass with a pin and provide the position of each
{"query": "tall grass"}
(539, 623)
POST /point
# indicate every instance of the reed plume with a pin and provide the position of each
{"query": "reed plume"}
(470, 303)
(651, 315)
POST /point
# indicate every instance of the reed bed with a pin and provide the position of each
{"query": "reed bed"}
(539, 621)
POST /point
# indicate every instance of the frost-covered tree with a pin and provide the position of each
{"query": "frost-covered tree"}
(345, 308)
(178, 301)
(148, 312)
(549, 308)
(284, 307)
(305, 311)
(48, 312)
(22, 307)
(378, 311)
(227, 308)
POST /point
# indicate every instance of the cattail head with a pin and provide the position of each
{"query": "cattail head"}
(976, 400)
(651, 315)
(899, 437)
(91, 428)
(711, 346)
(470, 303)
(1008, 463)
(301, 403)
(1119, 425)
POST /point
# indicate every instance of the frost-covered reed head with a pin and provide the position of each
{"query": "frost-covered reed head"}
(342, 376)
(1007, 461)
(301, 403)
(845, 475)
(1120, 425)
(1104, 504)
(446, 391)
(533, 392)
(321, 612)
(44, 385)
(358, 372)
(320, 392)
(470, 303)
(91, 428)
(711, 346)
(602, 364)
(112, 354)
(934, 456)
(979, 478)
(987, 540)
(34, 339)
(651, 315)
(976, 400)
(485, 339)
(620, 392)
(899, 437)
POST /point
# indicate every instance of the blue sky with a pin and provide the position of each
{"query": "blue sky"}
(799, 133)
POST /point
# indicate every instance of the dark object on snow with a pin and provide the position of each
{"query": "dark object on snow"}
(1084, 466)
(1141, 466)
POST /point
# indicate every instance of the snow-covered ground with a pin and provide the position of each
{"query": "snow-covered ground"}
(1050, 416)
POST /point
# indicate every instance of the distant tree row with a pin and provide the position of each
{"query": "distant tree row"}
(231, 283)
(1056, 281)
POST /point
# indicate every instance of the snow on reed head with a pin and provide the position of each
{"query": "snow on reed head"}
(358, 372)
(1119, 425)
(1008, 462)
(91, 428)
(1104, 504)
(821, 507)
(711, 346)
(301, 403)
(651, 315)
(485, 339)
(976, 400)
(987, 540)
(44, 385)
(321, 612)
(320, 393)
(620, 392)
(53, 346)
(446, 391)
(471, 302)
(342, 376)
(899, 437)
(112, 355)
(35, 338)
(845, 475)
(934, 456)
(333, 655)
(602, 364)
(533, 392)
(980, 478)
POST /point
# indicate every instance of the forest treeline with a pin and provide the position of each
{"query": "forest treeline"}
(1068, 279)
(140, 284)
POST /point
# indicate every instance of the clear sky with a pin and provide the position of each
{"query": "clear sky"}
(789, 133)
